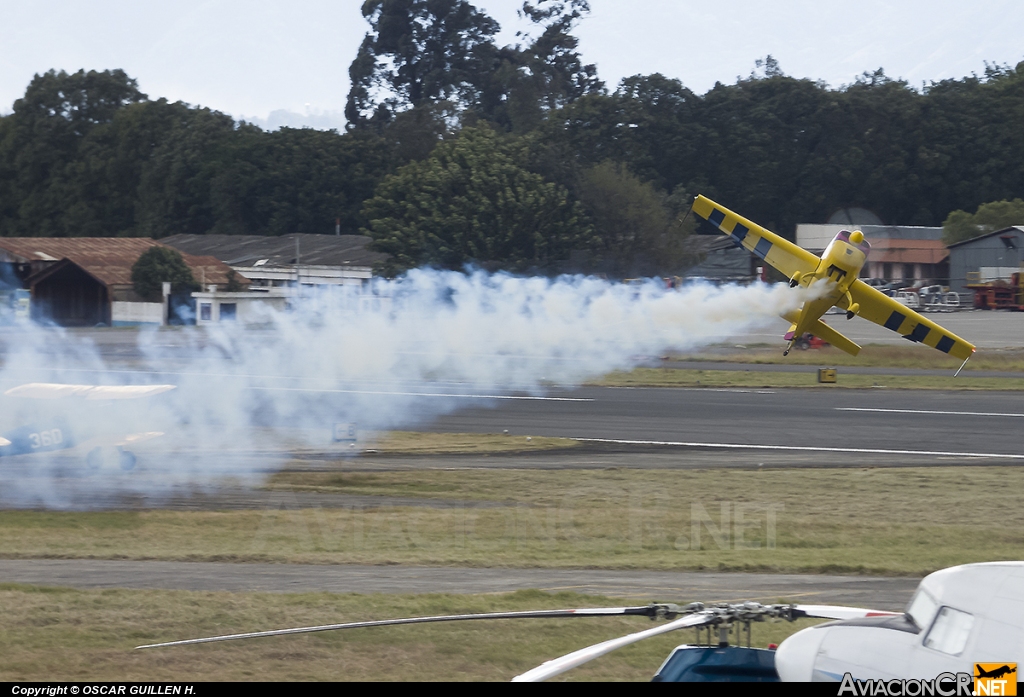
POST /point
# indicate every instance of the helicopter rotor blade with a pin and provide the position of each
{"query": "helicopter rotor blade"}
(836, 612)
(653, 611)
(576, 658)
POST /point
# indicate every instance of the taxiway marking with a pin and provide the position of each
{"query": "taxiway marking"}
(802, 448)
(926, 411)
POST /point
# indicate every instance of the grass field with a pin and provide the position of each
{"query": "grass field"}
(879, 521)
(54, 633)
(418, 443)
(673, 377)
(872, 355)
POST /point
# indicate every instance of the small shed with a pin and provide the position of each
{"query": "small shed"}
(214, 306)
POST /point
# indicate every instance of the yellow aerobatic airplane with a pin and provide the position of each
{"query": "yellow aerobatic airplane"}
(839, 266)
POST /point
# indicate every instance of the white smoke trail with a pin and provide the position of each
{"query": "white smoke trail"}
(334, 359)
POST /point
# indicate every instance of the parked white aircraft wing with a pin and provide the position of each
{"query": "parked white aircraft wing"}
(51, 390)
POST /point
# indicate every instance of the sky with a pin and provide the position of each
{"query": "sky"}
(286, 63)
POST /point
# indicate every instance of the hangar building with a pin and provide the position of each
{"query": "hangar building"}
(288, 261)
(992, 257)
(75, 281)
(898, 252)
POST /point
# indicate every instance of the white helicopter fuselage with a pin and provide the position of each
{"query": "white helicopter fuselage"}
(958, 617)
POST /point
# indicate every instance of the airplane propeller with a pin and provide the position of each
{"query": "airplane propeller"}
(694, 615)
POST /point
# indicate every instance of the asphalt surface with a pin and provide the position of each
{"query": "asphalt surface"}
(932, 425)
(642, 586)
(645, 428)
(642, 427)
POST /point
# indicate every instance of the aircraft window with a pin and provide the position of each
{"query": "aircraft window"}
(950, 632)
(922, 609)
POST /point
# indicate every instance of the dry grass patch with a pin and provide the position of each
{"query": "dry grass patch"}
(61, 634)
(672, 377)
(880, 521)
(872, 355)
(421, 443)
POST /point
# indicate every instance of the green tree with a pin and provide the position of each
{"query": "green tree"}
(419, 52)
(293, 181)
(992, 216)
(175, 187)
(158, 265)
(545, 74)
(471, 202)
(637, 231)
(442, 52)
(554, 65)
(41, 172)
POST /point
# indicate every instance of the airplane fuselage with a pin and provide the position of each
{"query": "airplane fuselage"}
(834, 279)
(959, 617)
(839, 267)
(37, 438)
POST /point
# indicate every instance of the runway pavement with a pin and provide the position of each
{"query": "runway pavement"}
(896, 424)
(639, 428)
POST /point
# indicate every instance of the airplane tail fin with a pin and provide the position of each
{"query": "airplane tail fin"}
(823, 331)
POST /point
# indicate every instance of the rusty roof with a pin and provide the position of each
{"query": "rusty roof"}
(908, 251)
(108, 259)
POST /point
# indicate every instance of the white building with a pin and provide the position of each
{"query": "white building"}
(322, 272)
(247, 307)
(288, 262)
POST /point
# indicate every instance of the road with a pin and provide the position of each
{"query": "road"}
(640, 586)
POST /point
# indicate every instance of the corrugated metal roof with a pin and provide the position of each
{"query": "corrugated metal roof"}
(108, 259)
(248, 250)
(1011, 229)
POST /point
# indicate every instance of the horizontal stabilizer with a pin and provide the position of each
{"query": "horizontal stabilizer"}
(823, 331)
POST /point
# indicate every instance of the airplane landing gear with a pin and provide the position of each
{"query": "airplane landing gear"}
(849, 315)
(126, 459)
(94, 460)
(99, 457)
